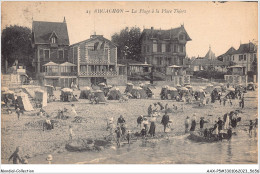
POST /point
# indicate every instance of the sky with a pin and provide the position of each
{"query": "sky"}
(219, 25)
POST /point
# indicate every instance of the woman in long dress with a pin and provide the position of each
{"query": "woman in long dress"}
(227, 122)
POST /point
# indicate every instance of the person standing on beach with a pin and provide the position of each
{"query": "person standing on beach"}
(152, 127)
(251, 127)
(256, 126)
(140, 120)
(165, 121)
(16, 157)
(202, 122)
(220, 124)
(118, 136)
(187, 124)
(145, 125)
(150, 111)
(193, 123)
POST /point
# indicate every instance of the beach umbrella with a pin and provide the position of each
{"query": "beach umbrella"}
(130, 84)
(102, 84)
(178, 86)
(4, 89)
(184, 89)
(188, 86)
(86, 88)
(231, 89)
(217, 87)
(209, 85)
(250, 83)
(172, 89)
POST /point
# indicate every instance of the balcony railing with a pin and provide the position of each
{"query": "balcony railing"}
(108, 73)
(60, 73)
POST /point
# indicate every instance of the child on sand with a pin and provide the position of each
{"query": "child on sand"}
(70, 133)
(18, 113)
(73, 110)
(128, 136)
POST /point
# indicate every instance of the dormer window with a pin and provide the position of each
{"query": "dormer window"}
(181, 36)
(53, 40)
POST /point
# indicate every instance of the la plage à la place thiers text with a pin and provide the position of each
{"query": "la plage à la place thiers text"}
(143, 11)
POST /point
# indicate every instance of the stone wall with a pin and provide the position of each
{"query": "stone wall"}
(118, 81)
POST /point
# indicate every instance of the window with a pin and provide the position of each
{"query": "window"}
(159, 49)
(61, 54)
(53, 40)
(41, 54)
(83, 68)
(147, 49)
(75, 54)
(46, 54)
(175, 48)
(168, 48)
(181, 48)
(245, 57)
(233, 58)
(181, 37)
(154, 47)
(163, 47)
(240, 57)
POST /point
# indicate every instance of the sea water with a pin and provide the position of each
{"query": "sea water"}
(241, 149)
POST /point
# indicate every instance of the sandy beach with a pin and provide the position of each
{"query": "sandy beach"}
(28, 133)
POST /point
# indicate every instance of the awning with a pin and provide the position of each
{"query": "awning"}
(51, 64)
(67, 64)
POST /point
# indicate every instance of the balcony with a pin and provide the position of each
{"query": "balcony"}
(60, 73)
(98, 74)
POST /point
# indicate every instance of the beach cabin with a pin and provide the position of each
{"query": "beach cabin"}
(236, 75)
(177, 74)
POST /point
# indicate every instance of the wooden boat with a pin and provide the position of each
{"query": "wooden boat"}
(199, 138)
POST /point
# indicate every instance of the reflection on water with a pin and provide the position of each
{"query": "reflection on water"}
(177, 150)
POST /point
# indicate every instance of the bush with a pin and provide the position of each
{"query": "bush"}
(209, 74)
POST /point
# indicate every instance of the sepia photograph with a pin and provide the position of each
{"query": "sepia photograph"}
(129, 82)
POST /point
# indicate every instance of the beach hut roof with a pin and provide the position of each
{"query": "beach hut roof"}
(67, 64)
(50, 64)
(97, 91)
(67, 90)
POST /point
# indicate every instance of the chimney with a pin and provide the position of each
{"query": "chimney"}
(64, 20)
(151, 28)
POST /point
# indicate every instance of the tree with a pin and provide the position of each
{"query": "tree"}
(128, 44)
(16, 44)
